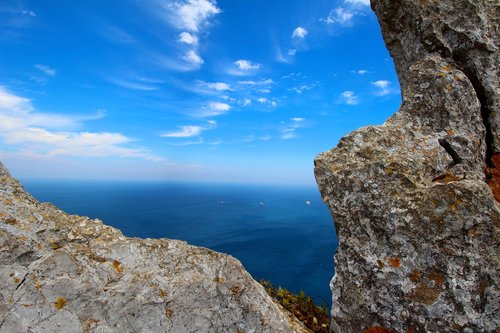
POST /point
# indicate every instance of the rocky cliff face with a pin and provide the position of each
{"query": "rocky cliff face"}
(66, 273)
(417, 223)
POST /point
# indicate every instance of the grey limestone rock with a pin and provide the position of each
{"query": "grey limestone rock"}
(417, 223)
(67, 273)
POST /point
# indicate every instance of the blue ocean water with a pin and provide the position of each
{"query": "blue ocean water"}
(270, 229)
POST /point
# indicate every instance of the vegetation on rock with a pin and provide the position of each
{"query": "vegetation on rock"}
(314, 317)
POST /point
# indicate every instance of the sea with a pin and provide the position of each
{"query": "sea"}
(283, 234)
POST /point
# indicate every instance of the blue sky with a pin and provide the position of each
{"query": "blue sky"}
(200, 90)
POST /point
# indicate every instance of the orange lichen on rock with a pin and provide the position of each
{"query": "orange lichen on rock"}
(446, 178)
(437, 278)
(377, 329)
(218, 279)
(60, 303)
(425, 294)
(395, 262)
(447, 68)
(118, 266)
(414, 275)
(494, 174)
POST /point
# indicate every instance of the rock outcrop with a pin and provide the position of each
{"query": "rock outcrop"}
(418, 225)
(66, 273)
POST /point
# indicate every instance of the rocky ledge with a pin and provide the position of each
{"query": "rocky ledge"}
(67, 273)
(417, 223)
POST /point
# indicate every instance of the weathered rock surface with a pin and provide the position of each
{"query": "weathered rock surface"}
(417, 223)
(66, 273)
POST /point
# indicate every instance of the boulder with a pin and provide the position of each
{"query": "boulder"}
(67, 273)
(417, 222)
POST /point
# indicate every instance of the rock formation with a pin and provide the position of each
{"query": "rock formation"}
(417, 223)
(66, 273)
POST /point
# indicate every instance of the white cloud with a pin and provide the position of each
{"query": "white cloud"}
(292, 52)
(264, 91)
(383, 87)
(360, 71)
(299, 32)
(213, 109)
(218, 106)
(301, 88)
(48, 134)
(191, 15)
(349, 98)
(46, 70)
(339, 15)
(256, 83)
(185, 132)
(246, 65)
(193, 58)
(28, 12)
(212, 122)
(245, 102)
(297, 119)
(358, 2)
(187, 38)
(219, 86)
(266, 101)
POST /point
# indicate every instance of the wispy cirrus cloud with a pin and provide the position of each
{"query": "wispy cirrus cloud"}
(115, 34)
(300, 89)
(263, 82)
(343, 15)
(134, 85)
(289, 131)
(28, 12)
(191, 131)
(339, 15)
(45, 69)
(184, 132)
(358, 2)
(22, 127)
(218, 86)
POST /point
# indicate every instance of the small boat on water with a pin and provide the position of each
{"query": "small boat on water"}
(262, 204)
(308, 203)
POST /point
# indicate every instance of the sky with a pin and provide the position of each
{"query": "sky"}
(239, 91)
